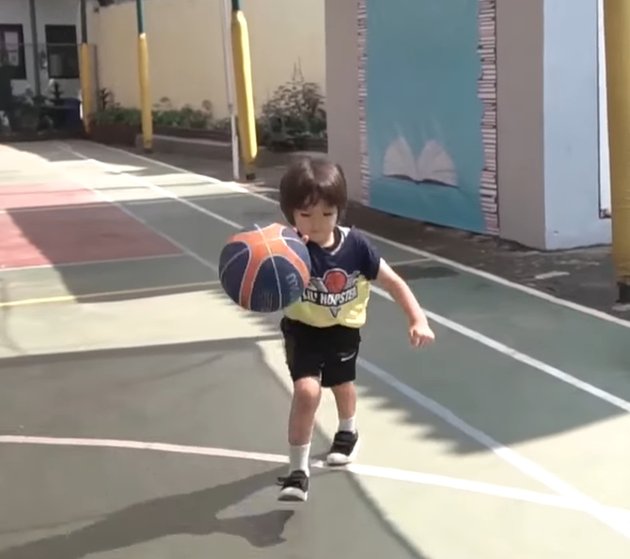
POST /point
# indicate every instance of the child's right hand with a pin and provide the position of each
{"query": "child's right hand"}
(420, 334)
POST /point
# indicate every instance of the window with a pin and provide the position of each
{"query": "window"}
(12, 50)
(61, 47)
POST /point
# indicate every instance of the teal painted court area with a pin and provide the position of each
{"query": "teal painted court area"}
(142, 414)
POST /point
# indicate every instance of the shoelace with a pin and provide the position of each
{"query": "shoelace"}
(343, 441)
(281, 479)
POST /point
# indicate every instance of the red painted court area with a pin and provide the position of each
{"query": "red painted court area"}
(59, 223)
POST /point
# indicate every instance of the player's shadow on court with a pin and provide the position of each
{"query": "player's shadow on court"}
(195, 514)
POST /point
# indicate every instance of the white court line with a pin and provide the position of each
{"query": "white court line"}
(54, 208)
(204, 197)
(528, 467)
(62, 265)
(478, 337)
(521, 357)
(550, 275)
(140, 181)
(410, 261)
(446, 261)
(111, 200)
(393, 474)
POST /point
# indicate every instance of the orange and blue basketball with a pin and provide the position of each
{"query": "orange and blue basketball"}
(265, 269)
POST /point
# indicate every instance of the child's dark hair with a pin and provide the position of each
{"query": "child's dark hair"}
(309, 180)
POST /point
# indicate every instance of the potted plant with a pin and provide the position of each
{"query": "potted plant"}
(116, 125)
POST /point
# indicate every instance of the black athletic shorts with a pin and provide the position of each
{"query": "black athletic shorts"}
(327, 353)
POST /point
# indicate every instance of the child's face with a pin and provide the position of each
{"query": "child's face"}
(317, 222)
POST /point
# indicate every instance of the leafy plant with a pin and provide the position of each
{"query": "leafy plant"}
(295, 112)
(105, 98)
(187, 117)
(116, 114)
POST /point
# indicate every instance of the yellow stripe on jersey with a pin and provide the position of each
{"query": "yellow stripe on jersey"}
(324, 305)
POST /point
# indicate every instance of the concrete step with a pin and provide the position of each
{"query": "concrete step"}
(213, 149)
(217, 149)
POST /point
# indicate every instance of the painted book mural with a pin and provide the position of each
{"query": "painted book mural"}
(428, 110)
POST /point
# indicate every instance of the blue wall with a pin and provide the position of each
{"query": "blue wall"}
(422, 72)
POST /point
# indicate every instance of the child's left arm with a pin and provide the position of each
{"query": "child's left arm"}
(420, 332)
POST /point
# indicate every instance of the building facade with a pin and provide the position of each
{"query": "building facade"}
(482, 115)
(38, 39)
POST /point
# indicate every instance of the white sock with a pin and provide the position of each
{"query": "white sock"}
(299, 458)
(348, 424)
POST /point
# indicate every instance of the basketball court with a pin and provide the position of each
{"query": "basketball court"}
(142, 414)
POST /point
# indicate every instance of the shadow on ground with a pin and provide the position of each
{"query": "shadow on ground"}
(152, 389)
(202, 233)
(193, 514)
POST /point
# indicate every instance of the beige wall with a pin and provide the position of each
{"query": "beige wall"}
(521, 121)
(342, 104)
(186, 48)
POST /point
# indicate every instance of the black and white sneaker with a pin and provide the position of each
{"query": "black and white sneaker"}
(294, 486)
(344, 448)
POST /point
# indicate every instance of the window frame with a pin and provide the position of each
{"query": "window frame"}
(19, 72)
(63, 47)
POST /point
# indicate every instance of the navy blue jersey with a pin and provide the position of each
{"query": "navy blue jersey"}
(339, 289)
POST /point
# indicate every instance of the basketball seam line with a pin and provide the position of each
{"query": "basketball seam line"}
(273, 263)
(234, 257)
(227, 264)
(240, 287)
(251, 293)
(246, 250)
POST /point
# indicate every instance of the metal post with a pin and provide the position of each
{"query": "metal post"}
(35, 40)
(229, 84)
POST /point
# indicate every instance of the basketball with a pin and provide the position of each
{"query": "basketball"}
(265, 269)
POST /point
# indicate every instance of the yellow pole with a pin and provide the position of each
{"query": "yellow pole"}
(143, 74)
(85, 73)
(244, 89)
(617, 37)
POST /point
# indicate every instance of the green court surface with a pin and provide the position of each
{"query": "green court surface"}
(142, 414)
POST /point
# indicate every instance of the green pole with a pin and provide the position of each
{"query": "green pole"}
(140, 16)
(35, 46)
(84, 31)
